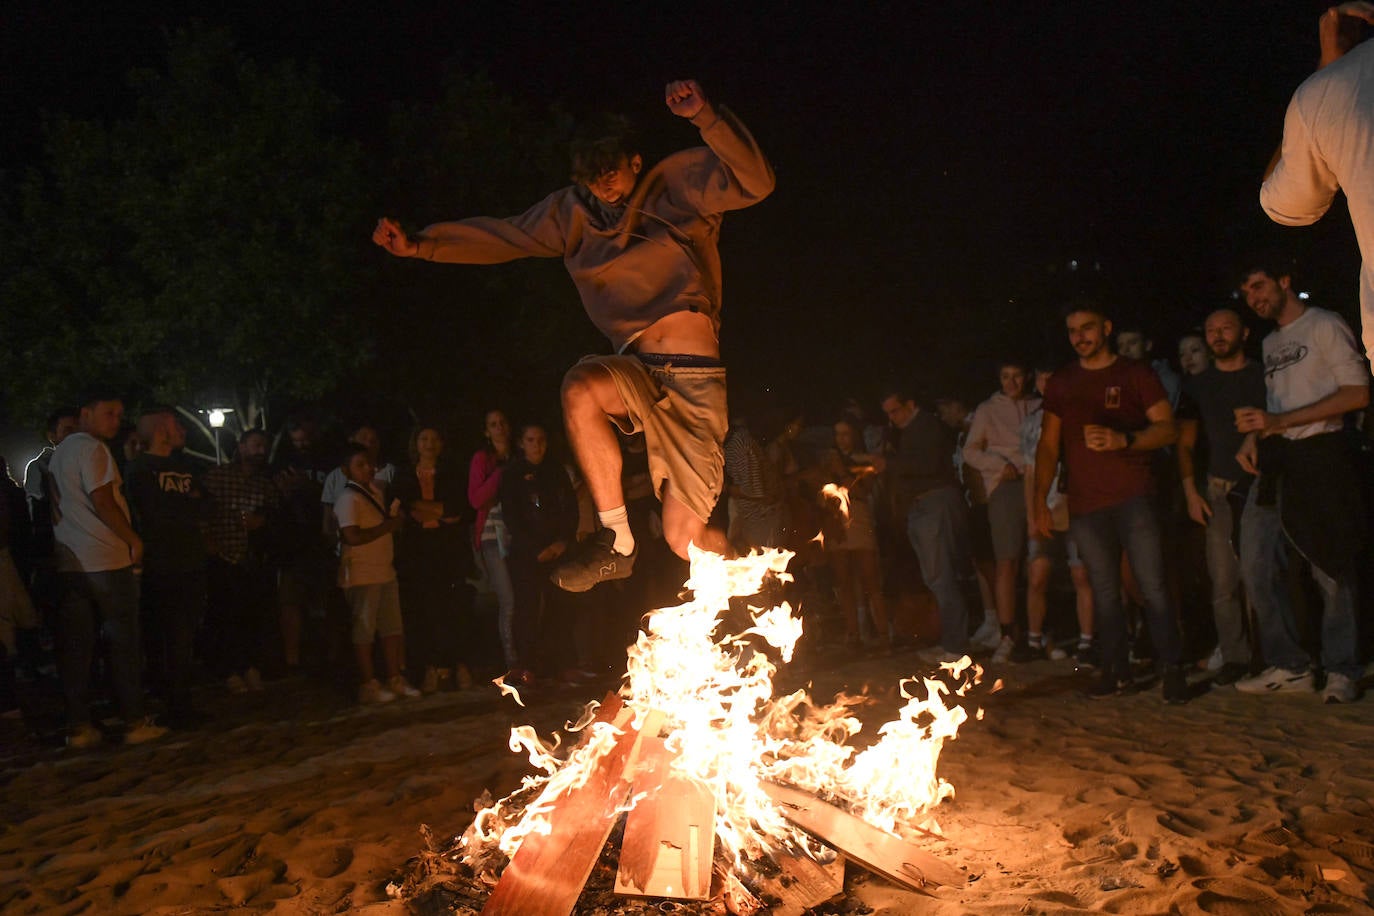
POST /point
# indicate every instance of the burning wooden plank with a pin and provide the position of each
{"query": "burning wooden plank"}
(547, 872)
(670, 835)
(889, 856)
(802, 883)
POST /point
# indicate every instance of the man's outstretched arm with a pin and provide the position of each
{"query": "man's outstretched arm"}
(536, 233)
(745, 176)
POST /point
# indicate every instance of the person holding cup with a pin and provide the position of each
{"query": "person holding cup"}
(1103, 415)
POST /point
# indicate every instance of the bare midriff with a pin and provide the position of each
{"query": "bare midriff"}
(690, 333)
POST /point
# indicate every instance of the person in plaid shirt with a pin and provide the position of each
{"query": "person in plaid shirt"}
(242, 597)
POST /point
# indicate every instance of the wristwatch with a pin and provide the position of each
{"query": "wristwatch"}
(1130, 439)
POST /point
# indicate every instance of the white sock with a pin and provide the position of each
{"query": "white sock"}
(618, 520)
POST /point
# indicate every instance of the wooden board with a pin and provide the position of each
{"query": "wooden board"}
(547, 873)
(670, 837)
(804, 883)
(889, 856)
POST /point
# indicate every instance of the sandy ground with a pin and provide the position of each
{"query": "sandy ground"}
(294, 801)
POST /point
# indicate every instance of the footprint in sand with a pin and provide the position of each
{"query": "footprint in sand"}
(331, 862)
(1238, 897)
(1360, 855)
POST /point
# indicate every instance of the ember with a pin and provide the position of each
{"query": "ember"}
(731, 795)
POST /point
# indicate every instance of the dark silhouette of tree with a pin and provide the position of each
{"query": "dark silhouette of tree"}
(207, 242)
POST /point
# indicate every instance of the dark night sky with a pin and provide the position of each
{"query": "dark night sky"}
(934, 165)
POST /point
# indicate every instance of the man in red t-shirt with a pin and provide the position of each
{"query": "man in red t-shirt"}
(1104, 415)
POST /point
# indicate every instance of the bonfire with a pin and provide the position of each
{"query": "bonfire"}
(718, 791)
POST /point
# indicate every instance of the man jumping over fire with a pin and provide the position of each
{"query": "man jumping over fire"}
(641, 250)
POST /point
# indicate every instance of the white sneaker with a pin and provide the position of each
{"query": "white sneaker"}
(371, 693)
(1058, 654)
(84, 736)
(401, 687)
(988, 632)
(1215, 661)
(252, 679)
(1276, 680)
(236, 684)
(1340, 689)
(143, 731)
(1002, 654)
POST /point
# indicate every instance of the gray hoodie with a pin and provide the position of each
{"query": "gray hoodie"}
(632, 265)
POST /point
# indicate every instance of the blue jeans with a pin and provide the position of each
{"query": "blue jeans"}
(937, 525)
(1101, 537)
(498, 574)
(113, 596)
(1263, 566)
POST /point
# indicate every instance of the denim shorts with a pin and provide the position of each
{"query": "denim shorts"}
(1060, 546)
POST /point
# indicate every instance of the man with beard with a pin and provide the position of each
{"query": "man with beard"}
(1210, 401)
(241, 596)
(1105, 415)
(642, 251)
(1309, 488)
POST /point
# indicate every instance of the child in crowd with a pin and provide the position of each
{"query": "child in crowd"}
(367, 575)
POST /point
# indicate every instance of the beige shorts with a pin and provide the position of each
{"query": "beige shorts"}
(681, 411)
(376, 611)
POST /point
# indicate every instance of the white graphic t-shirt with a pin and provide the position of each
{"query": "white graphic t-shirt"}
(1308, 360)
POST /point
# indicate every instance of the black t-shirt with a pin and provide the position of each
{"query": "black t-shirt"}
(1211, 397)
(168, 503)
(295, 532)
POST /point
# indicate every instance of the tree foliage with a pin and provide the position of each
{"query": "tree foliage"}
(209, 242)
(205, 243)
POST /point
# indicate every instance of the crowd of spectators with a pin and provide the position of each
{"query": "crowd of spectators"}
(1134, 516)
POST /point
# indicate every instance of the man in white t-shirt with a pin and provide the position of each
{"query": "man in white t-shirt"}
(1328, 143)
(367, 574)
(98, 554)
(1309, 489)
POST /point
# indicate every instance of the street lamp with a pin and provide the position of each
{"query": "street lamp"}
(216, 418)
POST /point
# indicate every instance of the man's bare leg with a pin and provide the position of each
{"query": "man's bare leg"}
(682, 526)
(590, 400)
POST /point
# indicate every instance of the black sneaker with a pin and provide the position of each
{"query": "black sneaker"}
(593, 562)
(1024, 652)
(1176, 689)
(1086, 655)
(1109, 687)
(1229, 673)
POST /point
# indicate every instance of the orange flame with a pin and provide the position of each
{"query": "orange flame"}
(713, 695)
